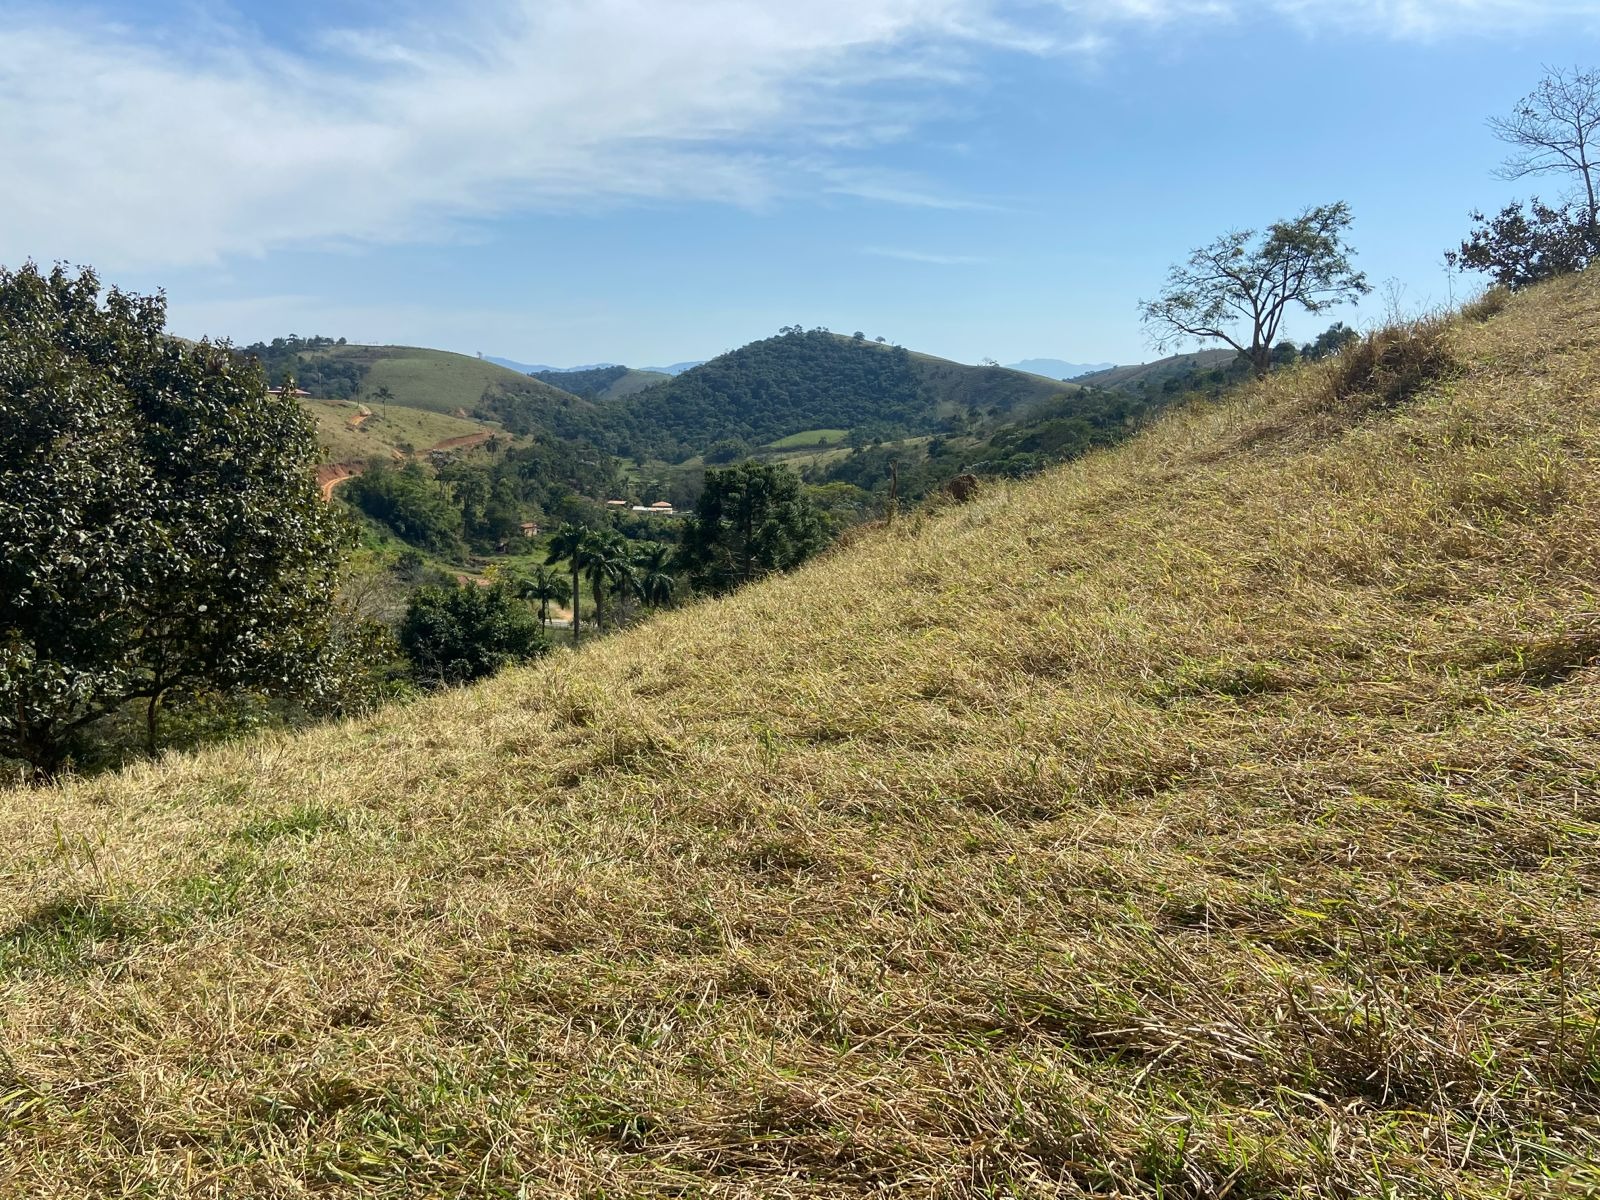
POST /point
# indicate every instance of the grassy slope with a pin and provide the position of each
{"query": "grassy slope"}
(435, 380)
(633, 381)
(809, 439)
(1213, 815)
(959, 386)
(1156, 372)
(384, 432)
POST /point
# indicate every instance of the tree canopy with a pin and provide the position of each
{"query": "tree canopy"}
(160, 525)
(1523, 245)
(750, 521)
(1239, 289)
(456, 633)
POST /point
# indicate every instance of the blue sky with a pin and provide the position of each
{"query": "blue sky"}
(647, 181)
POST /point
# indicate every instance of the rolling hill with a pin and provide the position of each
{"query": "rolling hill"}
(602, 383)
(1214, 816)
(350, 431)
(1153, 374)
(806, 380)
(436, 380)
(1055, 368)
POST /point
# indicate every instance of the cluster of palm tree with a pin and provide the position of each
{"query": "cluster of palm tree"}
(612, 565)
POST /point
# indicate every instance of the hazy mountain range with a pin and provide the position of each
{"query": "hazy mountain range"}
(1055, 368)
(1050, 368)
(540, 368)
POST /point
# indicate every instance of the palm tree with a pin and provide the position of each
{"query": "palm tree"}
(543, 586)
(608, 565)
(656, 581)
(570, 544)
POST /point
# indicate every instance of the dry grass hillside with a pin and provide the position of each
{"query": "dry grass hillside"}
(1216, 816)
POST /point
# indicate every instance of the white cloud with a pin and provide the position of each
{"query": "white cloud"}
(924, 256)
(135, 148)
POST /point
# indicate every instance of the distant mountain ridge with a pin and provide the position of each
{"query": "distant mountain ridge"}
(602, 383)
(1055, 368)
(1152, 374)
(544, 369)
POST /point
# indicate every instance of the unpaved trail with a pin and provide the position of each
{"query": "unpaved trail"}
(465, 442)
(331, 475)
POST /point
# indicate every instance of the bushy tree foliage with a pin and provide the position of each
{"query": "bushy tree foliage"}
(1330, 341)
(160, 526)
(409, 502)
(727, 450)
(751, 520)
(1239, 289)
(304, 361)
(457, 633)
(1523, 245)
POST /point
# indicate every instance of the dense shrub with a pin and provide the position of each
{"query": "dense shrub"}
(461, 632)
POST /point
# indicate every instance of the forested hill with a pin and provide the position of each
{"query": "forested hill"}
(812, 379)
(601, 383)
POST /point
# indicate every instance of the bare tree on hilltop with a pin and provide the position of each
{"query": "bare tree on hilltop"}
(1248, 282)
(1554, 130)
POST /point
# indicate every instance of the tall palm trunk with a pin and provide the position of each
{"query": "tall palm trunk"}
(575, 617)
(598, 583)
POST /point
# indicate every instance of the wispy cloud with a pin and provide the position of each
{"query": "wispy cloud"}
(923, 256)
(131, 147)
(893, 187)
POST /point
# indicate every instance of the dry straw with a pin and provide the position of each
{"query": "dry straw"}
(1216, 816)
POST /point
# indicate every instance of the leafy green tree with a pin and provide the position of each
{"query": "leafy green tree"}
(570, 544)
(160, 525)
(751, 520)
(1330, 341)
(1520, 247)
(727, 450)
(461, 632)
(1245, 282)
(417, 508)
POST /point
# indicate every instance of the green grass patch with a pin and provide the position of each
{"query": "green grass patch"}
(811, 437)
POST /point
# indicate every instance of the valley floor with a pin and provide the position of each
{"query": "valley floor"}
(1217, 815)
